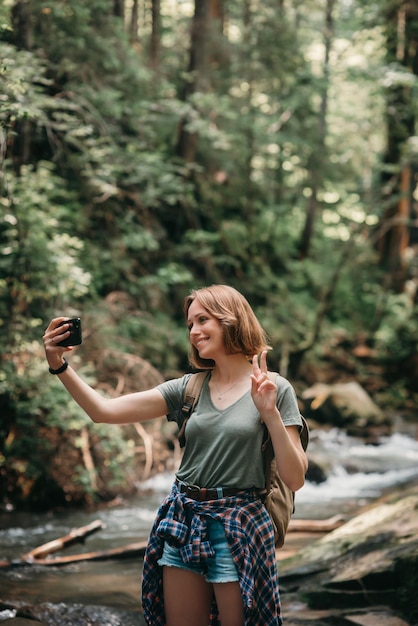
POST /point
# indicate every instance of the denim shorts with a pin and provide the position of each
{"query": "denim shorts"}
(218, 569)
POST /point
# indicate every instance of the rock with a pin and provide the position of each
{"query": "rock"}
(49, 614)
(372, 560)
(298, 615)
(319, 469)
(19, 621)
(342, 404)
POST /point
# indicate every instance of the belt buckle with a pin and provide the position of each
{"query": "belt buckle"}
(196, 492)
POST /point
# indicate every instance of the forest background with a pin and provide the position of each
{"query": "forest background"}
(151, 147)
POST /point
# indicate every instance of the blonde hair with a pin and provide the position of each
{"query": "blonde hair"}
(242, 332)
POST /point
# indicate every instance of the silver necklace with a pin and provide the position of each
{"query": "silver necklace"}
(222, 393)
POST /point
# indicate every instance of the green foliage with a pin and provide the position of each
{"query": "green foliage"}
(41, 433)
(35, 247)
(95, 200)
(397, 337)
(23, 82)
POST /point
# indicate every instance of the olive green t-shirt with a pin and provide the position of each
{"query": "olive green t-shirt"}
(223, 447)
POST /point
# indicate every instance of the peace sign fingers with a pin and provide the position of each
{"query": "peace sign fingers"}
(259, 370)
(263, 390)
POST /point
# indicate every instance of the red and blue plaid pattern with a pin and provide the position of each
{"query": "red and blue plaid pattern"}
(249, 531)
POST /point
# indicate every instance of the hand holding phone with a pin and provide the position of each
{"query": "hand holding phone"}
(75, 337)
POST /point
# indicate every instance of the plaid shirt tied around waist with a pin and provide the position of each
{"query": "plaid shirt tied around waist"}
(182, 522)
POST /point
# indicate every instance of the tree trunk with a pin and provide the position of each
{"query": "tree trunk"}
(22, 24)
(197, 75)
(249, 130)
(155, 33)
(133, 22)
(119, 8)
(21, 138)
(402, 48)
(315, 166)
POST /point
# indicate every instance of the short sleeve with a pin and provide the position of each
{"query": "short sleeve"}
(173, 394)
(287, 403)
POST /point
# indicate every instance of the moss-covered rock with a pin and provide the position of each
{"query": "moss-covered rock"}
(370, 560)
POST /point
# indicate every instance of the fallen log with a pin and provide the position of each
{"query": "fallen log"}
(76, 535)
(315, 526)
(124, 552)
(132, 550)
(128, 551)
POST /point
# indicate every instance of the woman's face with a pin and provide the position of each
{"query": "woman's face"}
(205, 332)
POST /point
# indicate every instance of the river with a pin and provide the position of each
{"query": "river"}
(359, 474)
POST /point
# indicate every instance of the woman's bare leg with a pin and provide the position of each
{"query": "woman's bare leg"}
(230, 605)
(187, 598)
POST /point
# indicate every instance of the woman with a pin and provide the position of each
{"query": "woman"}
(211, 557)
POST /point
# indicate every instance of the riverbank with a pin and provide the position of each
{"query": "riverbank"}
(364, 573)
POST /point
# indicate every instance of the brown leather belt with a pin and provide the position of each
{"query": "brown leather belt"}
(201, 493)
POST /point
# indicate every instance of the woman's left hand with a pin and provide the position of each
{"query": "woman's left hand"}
(263, 390)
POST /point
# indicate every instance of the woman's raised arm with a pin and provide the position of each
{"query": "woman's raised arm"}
(132, 407)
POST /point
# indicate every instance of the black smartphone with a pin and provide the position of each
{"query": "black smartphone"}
(74, 338)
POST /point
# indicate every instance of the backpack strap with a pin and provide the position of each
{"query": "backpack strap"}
(190, 398)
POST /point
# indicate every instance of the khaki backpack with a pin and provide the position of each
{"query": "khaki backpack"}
(278, 499)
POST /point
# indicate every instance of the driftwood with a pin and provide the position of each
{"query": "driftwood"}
(148, 449)
(87, 458)
(75, 536)
(128, 551)
(314, 525)
(39, 555)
